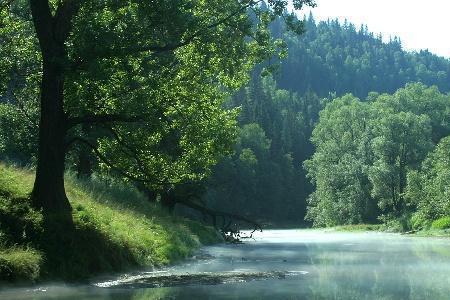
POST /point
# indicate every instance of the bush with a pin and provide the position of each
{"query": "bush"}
(359, 227)
(442, 223)
(19, 265)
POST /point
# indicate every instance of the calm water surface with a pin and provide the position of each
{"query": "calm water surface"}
(329, 265)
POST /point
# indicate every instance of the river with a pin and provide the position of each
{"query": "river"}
(317, 265)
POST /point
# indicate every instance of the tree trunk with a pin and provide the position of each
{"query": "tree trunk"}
(48, 191)
(168, 201)
(151, 195)
(85, 157)
(52, 30)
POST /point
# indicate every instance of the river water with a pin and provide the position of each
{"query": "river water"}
(321, 264)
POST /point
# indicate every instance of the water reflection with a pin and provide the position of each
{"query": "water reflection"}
(332, 265)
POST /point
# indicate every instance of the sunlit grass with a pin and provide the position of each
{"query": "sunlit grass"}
(17, 264)
(359, 227)
(117, 228)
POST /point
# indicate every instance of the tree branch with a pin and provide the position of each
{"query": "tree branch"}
(5, 4)
(63, 18)
(128, 150)
(155, 49)
(115, 168)
(52, 31)
(104, 118)
(43, 23)
(106, 161)
(214, 213)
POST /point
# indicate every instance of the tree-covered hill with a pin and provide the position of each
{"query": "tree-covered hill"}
(265, 177)
(336, 57)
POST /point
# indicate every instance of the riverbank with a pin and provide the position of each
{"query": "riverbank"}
(432, 231)
(116, 229)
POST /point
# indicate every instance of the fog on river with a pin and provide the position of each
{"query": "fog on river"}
(322, 264)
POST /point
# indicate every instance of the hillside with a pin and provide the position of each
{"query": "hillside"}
(265, 177)
(116, 229)
(335, 57)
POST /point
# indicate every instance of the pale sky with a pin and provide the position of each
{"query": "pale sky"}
(419, 24)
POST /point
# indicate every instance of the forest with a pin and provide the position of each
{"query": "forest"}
(181, 115)
(292, 158)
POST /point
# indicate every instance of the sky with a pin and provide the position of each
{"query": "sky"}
(419, 24)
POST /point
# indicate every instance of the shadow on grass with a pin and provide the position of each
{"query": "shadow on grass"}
(77, 252)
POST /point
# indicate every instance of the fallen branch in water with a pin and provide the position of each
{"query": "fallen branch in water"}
(409, 232)
(230, 234)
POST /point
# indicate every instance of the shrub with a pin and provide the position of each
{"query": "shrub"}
(19, 265)
(441, 223)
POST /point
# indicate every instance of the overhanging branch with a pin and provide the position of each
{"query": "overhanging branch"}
(104, 118)
(107, 161)
(112, 166)
(215, 213)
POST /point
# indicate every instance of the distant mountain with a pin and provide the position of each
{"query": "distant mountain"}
(335, 57)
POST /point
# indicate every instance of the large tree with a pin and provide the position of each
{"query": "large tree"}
(137, 70)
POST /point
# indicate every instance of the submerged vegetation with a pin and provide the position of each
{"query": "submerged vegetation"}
(116, 228)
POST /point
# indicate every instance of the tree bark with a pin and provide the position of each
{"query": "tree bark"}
(151, 195)
(48, 191)
(168, 201)
(85, 157)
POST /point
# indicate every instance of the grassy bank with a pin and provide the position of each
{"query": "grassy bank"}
(438, 228)
(116, 229)
(359, 228)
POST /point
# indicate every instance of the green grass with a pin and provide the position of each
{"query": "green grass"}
(439, 228)
(18, 264)
(116, 229)
(438, 233)
(358, 227)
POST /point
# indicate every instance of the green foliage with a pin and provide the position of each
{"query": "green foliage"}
(147, 79)
(19, 82)
(428, 188)
(441, 223)
(401, 142)
(338, 167)
(115, 228)
(337, 58)
(265, 176)
(184, 96)
(185, 130)
(18, 145)
(358, 227)
(364, 151)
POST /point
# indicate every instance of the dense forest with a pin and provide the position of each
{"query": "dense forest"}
(335, 57)
(373, 159)
(266, 177)
(129, 96)
(269, 165)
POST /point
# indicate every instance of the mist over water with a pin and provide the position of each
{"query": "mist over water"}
(325, 265)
